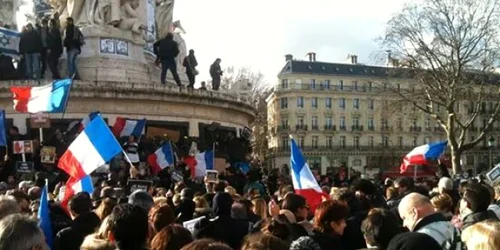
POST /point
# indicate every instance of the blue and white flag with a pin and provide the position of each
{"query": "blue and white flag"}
(9, 42)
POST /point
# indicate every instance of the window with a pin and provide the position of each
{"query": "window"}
(370, 141)
(355, 141)
(342, 122)
(313, 83)
(371, 105)
(300, 102)
(329, 142)
(438, 108)
(398, 86)
(314, 122)
(285, 143)
(427, 123)
(357, 162)
(470, 160)
(342, 141)
(385, 141)
(384, 124)
(326, 84)
(400, 123)
(355, 85)
(415, 122)
(314, 102)
(284, 84)
(369, 86)
(328, 102)
(342, 103)
(371, 125)
(415, 141)
(400, 141)
(284, 122)
(341, 85)
(300, 120)
(315, 141)
(329, 121)
(301, 141)
(355, 103)
(284, 103)
(355, 121)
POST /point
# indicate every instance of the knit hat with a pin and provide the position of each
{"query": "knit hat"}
(413, 241)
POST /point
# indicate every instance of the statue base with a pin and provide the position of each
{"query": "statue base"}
(114, 55)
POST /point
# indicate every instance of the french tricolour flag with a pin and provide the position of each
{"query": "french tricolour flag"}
(422, 154)
(126, 127)
(303, 180)
(94, 147)
(200, 163)
(50, 98)
(75, 186)
(162, 158)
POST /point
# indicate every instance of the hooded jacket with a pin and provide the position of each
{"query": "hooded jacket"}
(71, 238)
(222, 227)
(441, 230)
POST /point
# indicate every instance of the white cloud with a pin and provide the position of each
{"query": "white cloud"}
(259, 33)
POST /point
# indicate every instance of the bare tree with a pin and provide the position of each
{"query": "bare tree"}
(449, 49)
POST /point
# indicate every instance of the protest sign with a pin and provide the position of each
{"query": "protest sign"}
(177, 176)
(25, 167)
(22, 147)
(48, 155)
(134, 185)
(494, 175)
(189, 225)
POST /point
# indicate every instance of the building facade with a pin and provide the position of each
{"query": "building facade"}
(341, 114)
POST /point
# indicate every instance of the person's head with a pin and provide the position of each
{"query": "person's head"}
(161, 216)
(22, 200)
(169, 36)
(179, 186)
(222, 204)
(171, 237)
(105, 208)
(263, 242)
(94, 242)
(53, 23)
(44, 22)
(403, 185)
(391, 193)
(476, 198)
(220, 186)
(24, 186)
(21, 232)
(442, 203)
(379, 227)
(187, 193)
(239, 211)
(191, 51)
(414, 207)
(201, 202)
(69, 21)
(260, 207)
(445, 185)
(8, 206)
(230, 190)
(128, 226)
(34, 193)
(206, 244)
(364, 188)
(203, 84)
(29, 27)
(330, 217)
(482, 235)
(297, 205)
(413, 241)
(79, 204)
(142, 199)
(218, 60)
(131, 138)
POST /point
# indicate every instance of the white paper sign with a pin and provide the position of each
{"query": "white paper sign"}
(189, 225)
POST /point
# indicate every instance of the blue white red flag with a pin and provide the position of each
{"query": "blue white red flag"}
(50, 98)
(422, 154)
(162, 158)
(303, 180)
(127, 127)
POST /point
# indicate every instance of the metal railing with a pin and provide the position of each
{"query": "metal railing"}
(326, 87)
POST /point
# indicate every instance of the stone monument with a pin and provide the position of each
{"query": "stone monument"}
(118, 37)
(8, 9)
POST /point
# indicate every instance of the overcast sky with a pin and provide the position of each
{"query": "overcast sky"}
(258, 33)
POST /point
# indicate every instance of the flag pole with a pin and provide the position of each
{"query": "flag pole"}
(213, 152)
(67, 97)
(171, 149)
(415, 168)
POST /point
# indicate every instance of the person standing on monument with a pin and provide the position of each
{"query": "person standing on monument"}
(216, 73)
(44, 35)
(167, 50)
(55, 49)
(30, 46)
(190, 64)
(73, 41)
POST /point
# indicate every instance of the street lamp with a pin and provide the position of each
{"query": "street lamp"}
(491, 142)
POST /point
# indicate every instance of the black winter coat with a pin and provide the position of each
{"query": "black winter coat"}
(166, 49)
(55, 42)
(30, 43)
(71, 238)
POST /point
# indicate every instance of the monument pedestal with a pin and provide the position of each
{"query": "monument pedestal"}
(114, 55)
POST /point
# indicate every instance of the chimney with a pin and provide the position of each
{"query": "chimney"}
(312, 56)
(288, 57)
(353, 59)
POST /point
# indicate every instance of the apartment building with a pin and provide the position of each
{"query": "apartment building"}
(341, 114)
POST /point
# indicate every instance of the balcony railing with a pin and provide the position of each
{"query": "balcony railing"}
(314, 127)
(342, 128)
(310, 148)
(301, 127)
(371, 128)
(282, 128)
(415, 129)
(357, 128)
(330, 128)
(326, 87)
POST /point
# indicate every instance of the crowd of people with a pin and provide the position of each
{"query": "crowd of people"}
(42, 45)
